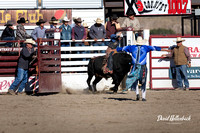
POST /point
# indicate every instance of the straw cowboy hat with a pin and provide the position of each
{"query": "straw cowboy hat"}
(179, 39)
(65, 19)
(53, 21)
(9, 23)
(29, 41)
(140, 41)
(85, 25)
(21, 20)
(40, 22)
(99, 21)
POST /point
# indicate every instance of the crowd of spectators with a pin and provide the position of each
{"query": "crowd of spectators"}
(76, 31)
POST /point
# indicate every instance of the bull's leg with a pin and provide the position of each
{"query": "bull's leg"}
(97, 79)
(116, 80)
(89, 80)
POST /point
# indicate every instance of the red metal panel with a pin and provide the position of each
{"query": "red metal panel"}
(42, 56)
(49, 82)
(8, 64)
(9, 57)
(49, 67)
(7, 70)
(49, 48)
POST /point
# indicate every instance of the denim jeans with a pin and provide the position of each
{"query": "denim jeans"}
(22, 79)
(181, 75)
(81, 52)
(99, 44)
(8, 44)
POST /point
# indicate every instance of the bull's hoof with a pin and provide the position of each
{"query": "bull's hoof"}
(137, 97)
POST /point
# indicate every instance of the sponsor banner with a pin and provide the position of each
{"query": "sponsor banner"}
(192, 73)
(10, 49)
(5, 83)
(33, 16)
(158, 7)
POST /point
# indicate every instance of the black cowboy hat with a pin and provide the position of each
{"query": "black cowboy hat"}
(130, 12)
(40, 22)
(53, 20)
(21, 20)
(78, 20)
(113, 45)
(114, 17)
(9, 23)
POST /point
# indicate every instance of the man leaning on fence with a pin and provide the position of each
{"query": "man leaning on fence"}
(97, 31)
(39, 32)
(22, 68)
(8, 33)
(182, 60)
(21, 33)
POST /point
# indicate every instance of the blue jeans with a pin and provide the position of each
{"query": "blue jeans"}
(22, 77)
(99, 44)
(181, 75)
(8, 44)
(81, 52)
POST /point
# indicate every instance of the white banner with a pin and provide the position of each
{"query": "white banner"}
(158, 7)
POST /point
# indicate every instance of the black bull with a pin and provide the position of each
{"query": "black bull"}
(121, 66)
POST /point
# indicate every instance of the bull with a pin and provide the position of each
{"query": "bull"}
(121, 66)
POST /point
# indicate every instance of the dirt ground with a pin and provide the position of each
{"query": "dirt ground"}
(101, 113)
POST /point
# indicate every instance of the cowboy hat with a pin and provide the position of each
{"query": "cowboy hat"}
(130, 13)
(53, 20)
(9, 23)
(21, 20)
(65, 19)
(114, 17)
(140, 41)
(85, 25)
(113, 45)
(78, 20)
(179, 39)
(40, 22)
(99, 21)
(29, 41)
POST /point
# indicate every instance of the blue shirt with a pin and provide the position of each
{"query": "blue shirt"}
(38, 33)
(144, 49)
(66, 32)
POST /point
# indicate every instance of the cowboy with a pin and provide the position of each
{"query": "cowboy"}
(21, 33)
(8, 33)
(132, 22)
(110, 51)
(182, 60)
(139, 69)
(65, 31)
(39, 32)
(97, 31)
(112, 26)
(79, 33)
(53, 23)
(23, 66)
